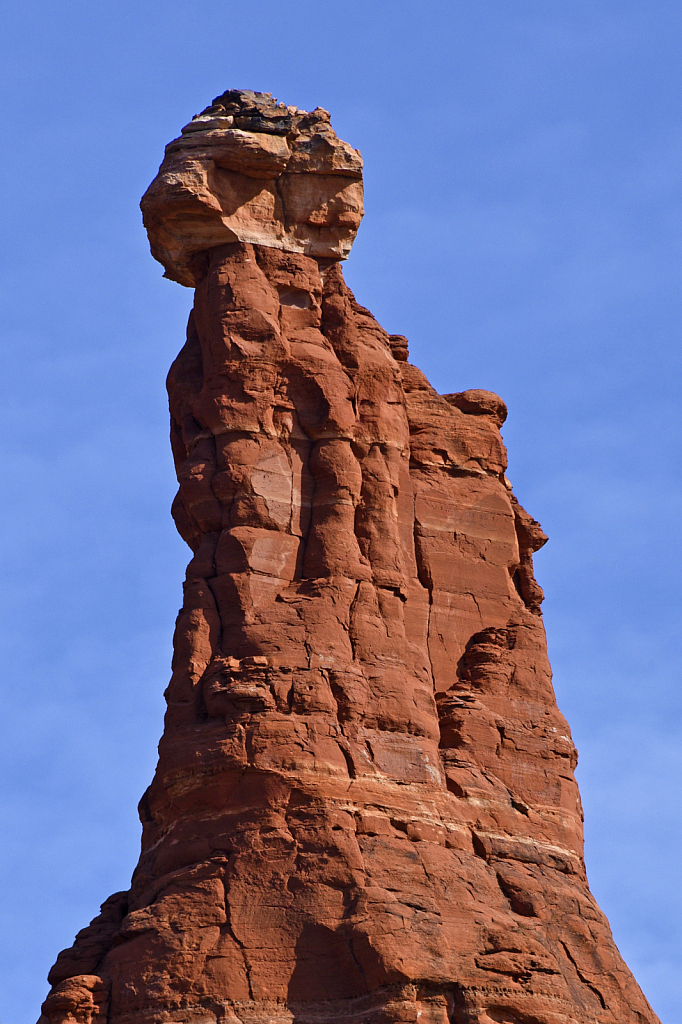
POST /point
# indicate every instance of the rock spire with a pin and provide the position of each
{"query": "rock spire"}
(364, 809)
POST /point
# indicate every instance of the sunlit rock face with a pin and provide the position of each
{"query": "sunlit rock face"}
(250, 169)
(364, 809)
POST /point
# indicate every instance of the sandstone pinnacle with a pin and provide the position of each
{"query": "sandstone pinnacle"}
(364, 809)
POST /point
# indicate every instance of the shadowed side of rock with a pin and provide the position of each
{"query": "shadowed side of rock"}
(364, 808)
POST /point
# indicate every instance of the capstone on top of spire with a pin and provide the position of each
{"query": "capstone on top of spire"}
(249, 168)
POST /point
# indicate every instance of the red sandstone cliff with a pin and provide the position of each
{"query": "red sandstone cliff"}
(364, 808)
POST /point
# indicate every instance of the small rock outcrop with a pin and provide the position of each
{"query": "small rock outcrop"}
(364, 808)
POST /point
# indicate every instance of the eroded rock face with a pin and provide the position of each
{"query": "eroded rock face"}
(364, 808)
(250, 169)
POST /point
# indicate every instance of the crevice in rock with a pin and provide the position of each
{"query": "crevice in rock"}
(347, 756)
(240, 945)
(582, 977)
(426, 581)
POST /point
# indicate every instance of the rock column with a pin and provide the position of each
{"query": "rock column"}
(364, 808)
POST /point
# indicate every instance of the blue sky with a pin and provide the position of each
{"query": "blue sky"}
(523, 229)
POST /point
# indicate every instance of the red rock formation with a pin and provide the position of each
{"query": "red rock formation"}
(364, 808)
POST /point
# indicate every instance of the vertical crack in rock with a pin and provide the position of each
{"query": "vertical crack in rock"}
(240, 945)
(364, 807)
(427, 583)
(582, 977)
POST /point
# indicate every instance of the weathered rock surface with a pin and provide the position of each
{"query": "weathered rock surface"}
(364, 808)
(250, 169)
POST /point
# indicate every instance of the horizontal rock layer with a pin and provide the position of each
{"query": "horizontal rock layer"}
(364, 808)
